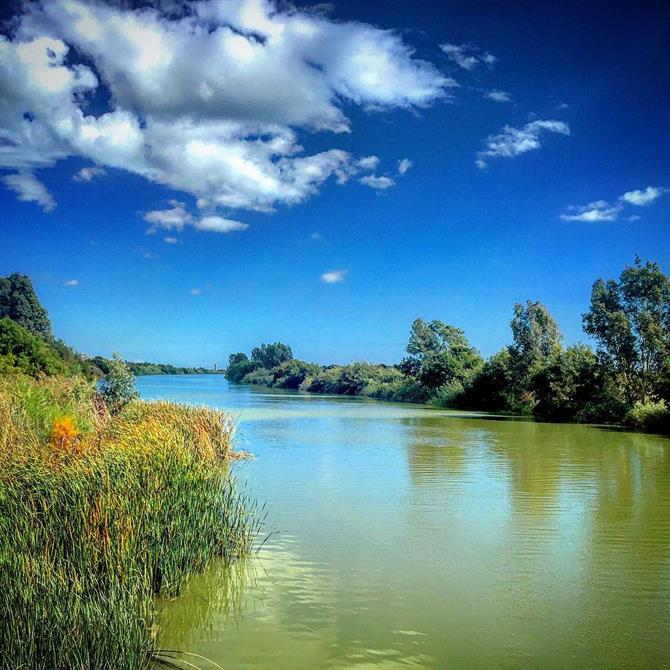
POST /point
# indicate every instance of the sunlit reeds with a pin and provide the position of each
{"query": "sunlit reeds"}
(100, 513)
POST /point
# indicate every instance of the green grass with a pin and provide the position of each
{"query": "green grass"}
(93, 525)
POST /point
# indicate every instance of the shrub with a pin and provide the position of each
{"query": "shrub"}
(118, 386)
(650, 416)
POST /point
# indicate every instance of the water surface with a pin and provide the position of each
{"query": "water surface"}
(415, 538)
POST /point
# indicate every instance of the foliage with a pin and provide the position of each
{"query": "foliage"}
(439, 355)
(651, 416)
(291, 374)
(490, 390)
(271, 355)
(239, 365)
(630, 321)
(19, 303)
(22, 351)
(118, 386)
(98, 513)
(535, 340)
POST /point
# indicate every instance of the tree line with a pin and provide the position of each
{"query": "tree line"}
(625, 379)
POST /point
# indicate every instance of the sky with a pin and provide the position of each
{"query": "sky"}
(189, 179)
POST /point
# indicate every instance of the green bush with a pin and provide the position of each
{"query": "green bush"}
(650, 416)
(118, 387)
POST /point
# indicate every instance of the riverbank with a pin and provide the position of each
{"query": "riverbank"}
(99, 513)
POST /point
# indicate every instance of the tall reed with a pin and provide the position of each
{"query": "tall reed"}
(98, 514)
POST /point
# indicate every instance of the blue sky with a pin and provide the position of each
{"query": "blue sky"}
(244, 154)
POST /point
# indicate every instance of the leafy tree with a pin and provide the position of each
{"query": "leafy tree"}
(490, 389)
(118, 386)
(630, 321)
(239, 366)
(19, 302)
(23, 352)
(535, 340)
(271, 355)
(290, 374)
(439, 354)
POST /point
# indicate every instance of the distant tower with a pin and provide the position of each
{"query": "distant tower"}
(214, 367)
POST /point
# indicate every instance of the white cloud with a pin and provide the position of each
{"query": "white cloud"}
(71, 282)
(29, 188)
(334, 276)
(404, 165)
(467, 56)
(170, 240)
(498, 96)
(599, 210)
(218, 224)
(644, 197)
(196, 291)
(89, 173)
(208, 101)
(512, 142)
(379, 183)
(368, 162)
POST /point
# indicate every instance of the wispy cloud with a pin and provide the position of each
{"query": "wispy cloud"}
(29, 188)
(170, 240)
(196, 291)
(334, 276)
(643, 197)
(511, 142)
(404, 165)
(177, 217)
(379, 183)
(89, 173)
(467, 56)
(71, 282)
(599, 210)
(498, 96)
(603, 210)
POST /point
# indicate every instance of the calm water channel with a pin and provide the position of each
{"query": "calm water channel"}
(416, 538)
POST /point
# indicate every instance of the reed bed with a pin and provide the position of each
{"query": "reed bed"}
(99, 514)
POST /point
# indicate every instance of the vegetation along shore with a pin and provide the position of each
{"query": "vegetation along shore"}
(625, 380)
(105, 502)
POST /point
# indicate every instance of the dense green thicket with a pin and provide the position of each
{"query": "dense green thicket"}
(625, 380)
(145, 368)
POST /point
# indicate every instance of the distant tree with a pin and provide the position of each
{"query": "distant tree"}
(439, 354)
(239, 366)
(535, 340)
(271, 355)
(491, 388)
(118, 386)
(290, 374)
(19, 302)
(630, 321)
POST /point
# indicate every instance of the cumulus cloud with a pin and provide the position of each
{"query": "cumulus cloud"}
(71, 282)
(467, 56)
(643, 197)
(404, 165)
(378, 183)
(333, 276)
(599, 210)
(89, 173)
(29, 188)
(218, 224)
(170, 240)
(512, 142)
(208, 99)
(498, 96)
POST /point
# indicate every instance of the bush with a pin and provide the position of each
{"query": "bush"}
(650, 416)
(118, 387)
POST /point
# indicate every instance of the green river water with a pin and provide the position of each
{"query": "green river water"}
(407, 537)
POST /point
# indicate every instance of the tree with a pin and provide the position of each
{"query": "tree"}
(118, 386)
(535, 340)
(239, 365)
(271, 355)
(22, 351)
(19, 302)
(630, 321)
(439, 354)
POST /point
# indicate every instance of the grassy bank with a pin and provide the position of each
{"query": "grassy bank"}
(98, 513)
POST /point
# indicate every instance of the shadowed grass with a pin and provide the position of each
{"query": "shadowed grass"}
(98, 514)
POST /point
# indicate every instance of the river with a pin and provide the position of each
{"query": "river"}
(409, 537)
